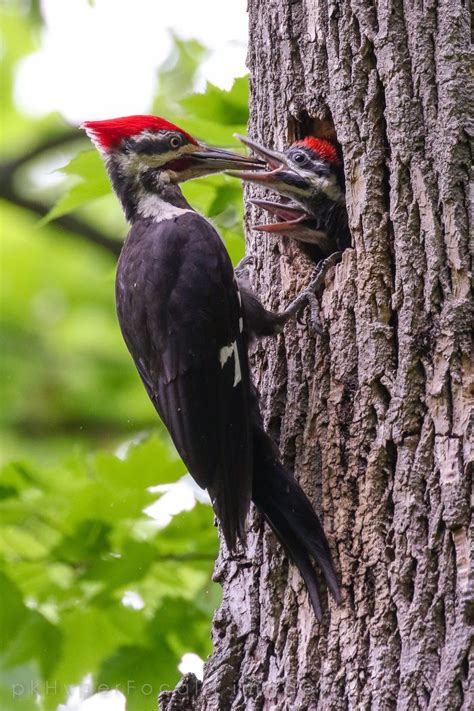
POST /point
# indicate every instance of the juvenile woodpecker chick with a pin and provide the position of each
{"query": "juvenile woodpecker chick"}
(310, 173)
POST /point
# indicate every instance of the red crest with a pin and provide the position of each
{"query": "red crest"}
(323, 148)
(108, 134)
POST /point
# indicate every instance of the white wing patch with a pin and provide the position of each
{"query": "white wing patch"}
(237, 372)
(227, 352)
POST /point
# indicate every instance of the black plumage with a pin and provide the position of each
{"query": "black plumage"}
(181, 317)
(181, 314)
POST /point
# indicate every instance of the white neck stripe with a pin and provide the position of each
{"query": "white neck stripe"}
(153, 206)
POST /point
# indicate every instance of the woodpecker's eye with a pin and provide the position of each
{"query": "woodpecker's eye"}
(175, 142)
(300, 158)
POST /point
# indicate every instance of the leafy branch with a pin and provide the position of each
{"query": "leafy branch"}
(9, 191)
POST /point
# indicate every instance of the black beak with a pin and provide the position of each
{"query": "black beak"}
(218, 159)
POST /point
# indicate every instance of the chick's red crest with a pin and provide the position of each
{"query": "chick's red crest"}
(110, 132)
(323, 148)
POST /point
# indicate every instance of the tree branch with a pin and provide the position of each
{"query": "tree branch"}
(67, 222)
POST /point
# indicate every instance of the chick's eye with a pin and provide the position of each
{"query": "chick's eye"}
(175, 141)
(300, 158)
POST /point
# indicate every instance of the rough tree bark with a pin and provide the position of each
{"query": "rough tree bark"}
(373, 416)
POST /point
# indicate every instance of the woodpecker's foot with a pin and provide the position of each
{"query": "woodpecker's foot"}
(241, 268)
(308, 296)
(321, 270)
(315, 318)
(317, 281)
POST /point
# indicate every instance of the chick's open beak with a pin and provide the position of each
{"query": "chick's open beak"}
(282, 176)
(272, 159)
(288, 213)
(296, 223)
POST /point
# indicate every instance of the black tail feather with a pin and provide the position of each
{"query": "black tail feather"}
(277, 494)
(295, 550)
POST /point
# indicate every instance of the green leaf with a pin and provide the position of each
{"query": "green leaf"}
(176, 76)
(7, 492)
(86, 165)
(19, 687)
(90, 539)
(190, 534)
(148, 463)
(36, 639)
(228, 197)
(226, 108)
(183, 625)
(116, 572)
(25, 633)
(93, 183)
(175, 578)
(17, 475)
(141, 672)
(90, 634)
(13, 612)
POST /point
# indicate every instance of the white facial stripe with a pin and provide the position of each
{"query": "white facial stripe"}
(151, 205)
(308, 172)
(285, 189)
(327, 185)
(227, 352)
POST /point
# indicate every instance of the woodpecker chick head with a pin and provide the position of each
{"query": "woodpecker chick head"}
(133, 145)
(308, 171)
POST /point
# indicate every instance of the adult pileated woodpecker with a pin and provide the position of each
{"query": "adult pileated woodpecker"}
(310, 173)
(186, 326)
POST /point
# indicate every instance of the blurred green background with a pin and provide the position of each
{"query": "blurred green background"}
(93, 589)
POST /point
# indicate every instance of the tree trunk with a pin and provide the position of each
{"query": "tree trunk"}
(372, 416)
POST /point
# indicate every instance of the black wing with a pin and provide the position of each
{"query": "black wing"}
(181, 316)
(259, 321)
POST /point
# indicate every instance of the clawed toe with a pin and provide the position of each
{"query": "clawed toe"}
(242, 266)
(314, 318)
(321, 271)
